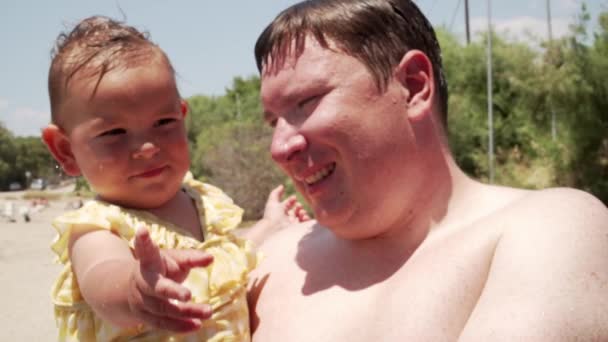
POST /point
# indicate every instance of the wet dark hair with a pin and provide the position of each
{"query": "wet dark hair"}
(376, 32)
(95, 46)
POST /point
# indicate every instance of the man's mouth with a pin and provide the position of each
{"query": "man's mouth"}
(320, 175)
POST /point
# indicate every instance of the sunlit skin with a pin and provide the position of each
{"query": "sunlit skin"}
(125, 133)
(129, 138)
(328, 114)
(406, 247)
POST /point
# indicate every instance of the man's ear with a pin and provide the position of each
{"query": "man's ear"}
(60, 147)
(184, 107)
(415, 73)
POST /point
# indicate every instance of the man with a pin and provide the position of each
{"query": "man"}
(406, 247)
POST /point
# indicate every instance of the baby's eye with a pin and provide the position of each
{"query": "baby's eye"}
(165, 121)
(113, 132)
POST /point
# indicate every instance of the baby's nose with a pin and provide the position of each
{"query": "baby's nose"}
(146, 150)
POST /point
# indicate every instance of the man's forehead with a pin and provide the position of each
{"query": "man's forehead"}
(297, 73)
(292, 57)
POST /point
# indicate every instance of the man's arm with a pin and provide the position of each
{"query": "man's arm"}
(549, 276)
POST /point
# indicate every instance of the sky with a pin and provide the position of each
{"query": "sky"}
(208, 42)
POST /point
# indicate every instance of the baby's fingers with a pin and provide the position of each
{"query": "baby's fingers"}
(176, 309)
(147, 252)
(168, 323)
(166, 289)
(180, 262)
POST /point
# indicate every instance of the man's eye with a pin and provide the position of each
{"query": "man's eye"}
(273, 122)
(307, 101)
(113, 132)
(163, 122)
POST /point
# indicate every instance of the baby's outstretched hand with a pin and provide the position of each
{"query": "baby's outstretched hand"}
(156, 295)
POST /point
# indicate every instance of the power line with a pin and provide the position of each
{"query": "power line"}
(454, 14)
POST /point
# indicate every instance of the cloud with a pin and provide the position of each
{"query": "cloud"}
(568, 5)
(25, 121)
(3, 104)
(523, 28)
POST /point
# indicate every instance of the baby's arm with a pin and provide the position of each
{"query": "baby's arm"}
(278, 214)
(127, 289)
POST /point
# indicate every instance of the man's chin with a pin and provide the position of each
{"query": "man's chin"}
(338, 223)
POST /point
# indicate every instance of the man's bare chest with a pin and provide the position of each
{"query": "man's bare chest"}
(428, 298)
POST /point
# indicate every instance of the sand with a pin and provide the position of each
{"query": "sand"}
(27, 272)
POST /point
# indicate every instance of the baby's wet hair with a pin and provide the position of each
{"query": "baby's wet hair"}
(95, 46)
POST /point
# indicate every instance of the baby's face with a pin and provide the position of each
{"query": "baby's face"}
(129, 138)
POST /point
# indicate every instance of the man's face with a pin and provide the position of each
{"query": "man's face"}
(348, 147)
(129, 139)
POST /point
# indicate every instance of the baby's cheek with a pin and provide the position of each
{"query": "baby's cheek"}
(109, 153)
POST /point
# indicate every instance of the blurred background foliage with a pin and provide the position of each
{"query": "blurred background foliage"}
(230, 143)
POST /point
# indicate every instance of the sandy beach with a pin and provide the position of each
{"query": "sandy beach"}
(28, 272)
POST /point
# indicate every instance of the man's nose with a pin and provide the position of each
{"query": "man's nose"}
(287, 141)
(146, 150)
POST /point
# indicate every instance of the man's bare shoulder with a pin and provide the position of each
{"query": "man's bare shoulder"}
(550, 267)
(283, 245)
(279, 252)
(555, 210)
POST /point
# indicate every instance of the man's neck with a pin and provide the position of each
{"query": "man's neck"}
(446, 198)
(459, 200)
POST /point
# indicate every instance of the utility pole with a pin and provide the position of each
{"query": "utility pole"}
(550, 51)
(490, 107)
(549, 21)
(466, 21)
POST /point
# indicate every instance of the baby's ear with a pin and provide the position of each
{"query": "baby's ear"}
(60, 147)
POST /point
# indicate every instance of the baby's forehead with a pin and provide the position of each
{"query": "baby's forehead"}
(150, 84)
(83, 58)
(86, 77)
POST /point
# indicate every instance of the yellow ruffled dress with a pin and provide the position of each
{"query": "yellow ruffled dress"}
(222, 284)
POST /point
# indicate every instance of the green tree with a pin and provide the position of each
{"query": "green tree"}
(566, 78)
(33, 157)
(232, 144)
(7, 157)
(582, 94)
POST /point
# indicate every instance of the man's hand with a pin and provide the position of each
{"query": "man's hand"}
(156, 295)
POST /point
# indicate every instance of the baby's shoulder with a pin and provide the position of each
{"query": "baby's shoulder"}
(91, 212)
